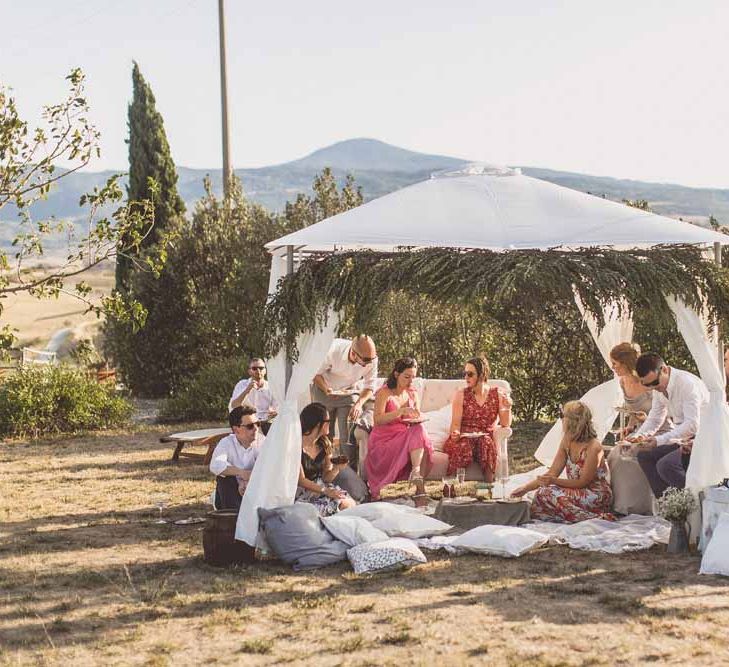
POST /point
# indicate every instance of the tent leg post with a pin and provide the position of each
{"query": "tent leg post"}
(289, 271)
(718, 332)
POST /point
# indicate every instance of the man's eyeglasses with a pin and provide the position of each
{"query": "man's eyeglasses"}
(364, 360)
(258, 368)
(655, 382)
(252, 426)
(469, 374)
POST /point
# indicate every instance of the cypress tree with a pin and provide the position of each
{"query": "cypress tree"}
(149, 157)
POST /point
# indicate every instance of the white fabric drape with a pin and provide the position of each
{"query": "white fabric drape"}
(710, 454)
(602, 399)
(275, 476)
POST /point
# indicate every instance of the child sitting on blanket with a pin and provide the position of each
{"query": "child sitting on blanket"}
(585, 493)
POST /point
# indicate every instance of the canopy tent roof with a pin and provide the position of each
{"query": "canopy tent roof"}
(494, 208)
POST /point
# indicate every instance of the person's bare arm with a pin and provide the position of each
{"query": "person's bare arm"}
(240, 399)
(320, 382)
(380, 416)
(317, 488)
(549, 477)
(505, 404)
(457, 413)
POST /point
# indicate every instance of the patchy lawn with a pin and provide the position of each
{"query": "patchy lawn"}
(86, 577)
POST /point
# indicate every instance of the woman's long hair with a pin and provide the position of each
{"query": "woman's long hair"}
(626, 354)
(400, 365)
(481, 364)
(577, 423)
(313, 415)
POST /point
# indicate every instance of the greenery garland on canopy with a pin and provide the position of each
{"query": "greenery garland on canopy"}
(356, 282)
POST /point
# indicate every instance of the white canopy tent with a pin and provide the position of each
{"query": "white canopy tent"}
(483, 207)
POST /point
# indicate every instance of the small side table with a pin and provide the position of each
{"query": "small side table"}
(480, 513)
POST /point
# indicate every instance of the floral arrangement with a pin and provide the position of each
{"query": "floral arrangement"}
(676, 504)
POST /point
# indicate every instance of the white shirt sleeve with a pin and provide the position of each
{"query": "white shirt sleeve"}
(370, 376)
(328, 360)
(656, 416)
(237, 391)
(691, 404)
(219, 461)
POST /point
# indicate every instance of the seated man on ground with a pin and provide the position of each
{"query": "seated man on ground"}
(318, 470)
(679, 395)
(346, 364)
(585, 493)
(234, 458)
(255, 391)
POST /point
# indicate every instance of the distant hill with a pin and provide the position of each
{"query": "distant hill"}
(380, 168)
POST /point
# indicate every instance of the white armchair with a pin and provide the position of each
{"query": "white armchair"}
(434, 395)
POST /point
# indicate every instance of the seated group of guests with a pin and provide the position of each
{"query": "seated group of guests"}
(663, 403)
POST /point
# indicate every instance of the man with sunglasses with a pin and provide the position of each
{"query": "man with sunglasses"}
(345, 381)
(678, 395)
(234, 458)
(256, 392)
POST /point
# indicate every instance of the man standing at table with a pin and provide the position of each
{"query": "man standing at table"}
(234, 458)
(256, 392)
(348, 363)
(679, 395)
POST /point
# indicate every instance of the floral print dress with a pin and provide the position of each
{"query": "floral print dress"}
(556, 503)
(476, 419)
(313, 471)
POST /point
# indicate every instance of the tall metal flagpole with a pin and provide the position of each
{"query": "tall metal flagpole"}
(224, 101)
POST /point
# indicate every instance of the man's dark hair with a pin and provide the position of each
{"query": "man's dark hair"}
(650, 362)
(236, 414)
(254, 359)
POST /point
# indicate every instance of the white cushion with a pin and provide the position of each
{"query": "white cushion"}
(398, 520)
(352, 530)
(384, 556)
(508, 541)
(438, 426)
(716, 556)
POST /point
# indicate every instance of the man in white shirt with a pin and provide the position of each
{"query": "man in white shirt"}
(256, 392)
(679, 395)
(347, 364)
(234, 458)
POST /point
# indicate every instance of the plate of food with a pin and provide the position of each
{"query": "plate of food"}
(463, 500)
(416, 420)
(474, 434)
(342, 392)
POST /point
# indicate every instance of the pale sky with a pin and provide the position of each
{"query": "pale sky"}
(630, 88)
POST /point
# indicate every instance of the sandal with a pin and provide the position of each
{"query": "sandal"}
(415, 475)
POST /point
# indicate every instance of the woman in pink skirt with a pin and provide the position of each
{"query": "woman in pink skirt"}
(397, 449)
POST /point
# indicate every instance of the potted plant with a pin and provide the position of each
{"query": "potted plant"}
(675, 505)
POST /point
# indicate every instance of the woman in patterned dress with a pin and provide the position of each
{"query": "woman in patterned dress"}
(476, 409)
(317, 470)
(397, 449)
(585, 493)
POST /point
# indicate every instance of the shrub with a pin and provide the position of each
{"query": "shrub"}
(38, 400)
(206, 394)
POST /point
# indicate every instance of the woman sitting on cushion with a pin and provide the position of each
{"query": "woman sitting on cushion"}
(317, 471)
(476, 409)
(585, 492)
(397, 449)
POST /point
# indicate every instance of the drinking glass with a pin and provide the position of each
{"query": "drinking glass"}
(160, 502)
(461, 475)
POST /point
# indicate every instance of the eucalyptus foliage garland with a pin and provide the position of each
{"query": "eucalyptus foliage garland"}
(356, 282)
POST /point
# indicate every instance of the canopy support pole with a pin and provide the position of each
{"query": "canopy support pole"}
(717, 328)
(289, 271)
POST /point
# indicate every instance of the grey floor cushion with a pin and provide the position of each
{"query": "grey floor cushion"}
(298, 538)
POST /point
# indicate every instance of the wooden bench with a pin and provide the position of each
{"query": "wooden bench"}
(206, 437)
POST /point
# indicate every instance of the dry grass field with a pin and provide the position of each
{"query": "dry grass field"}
(86, 577)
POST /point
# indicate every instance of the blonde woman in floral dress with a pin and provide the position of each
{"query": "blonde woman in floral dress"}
(585, 493)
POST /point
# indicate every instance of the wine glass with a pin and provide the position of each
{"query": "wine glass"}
(160, 501)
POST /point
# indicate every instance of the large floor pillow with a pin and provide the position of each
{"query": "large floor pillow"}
(507, 541)
(298, 538)
(392, 554)
(398, 520)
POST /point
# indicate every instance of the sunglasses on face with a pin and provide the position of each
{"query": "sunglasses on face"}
(655, 382)
(252, 426)
(364, 360)
(258, 368)
(469, 374)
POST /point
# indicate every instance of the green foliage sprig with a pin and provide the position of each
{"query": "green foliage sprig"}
(532, 280)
